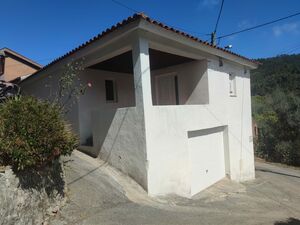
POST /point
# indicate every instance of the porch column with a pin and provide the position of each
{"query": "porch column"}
(141, 72)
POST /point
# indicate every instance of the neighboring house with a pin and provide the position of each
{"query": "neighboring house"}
(15, 66)
(171, 111)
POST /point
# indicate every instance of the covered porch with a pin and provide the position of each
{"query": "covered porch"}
(141, 78)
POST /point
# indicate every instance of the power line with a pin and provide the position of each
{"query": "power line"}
(178, 28)
(258, 26)
(124, 6)
(288, 49)
(219, 16)
(213, 34)
(292, 50)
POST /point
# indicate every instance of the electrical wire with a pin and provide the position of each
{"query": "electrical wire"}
(258, 26)
(290, 50)
(178, 28)
(219, 16)
(124, 6)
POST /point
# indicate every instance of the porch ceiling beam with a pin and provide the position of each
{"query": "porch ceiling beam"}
(107, 53)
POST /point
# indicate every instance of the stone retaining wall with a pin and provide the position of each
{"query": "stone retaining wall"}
(31, 197)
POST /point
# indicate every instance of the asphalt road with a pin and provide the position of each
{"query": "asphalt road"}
(99, 194)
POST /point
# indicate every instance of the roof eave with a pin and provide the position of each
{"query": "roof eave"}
(186, 38)
(160, 30)
(29, 61)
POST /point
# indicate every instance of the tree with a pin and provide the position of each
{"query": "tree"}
(276, 108)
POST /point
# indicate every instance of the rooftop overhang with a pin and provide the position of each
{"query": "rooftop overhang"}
(164, 39)
(160, 40)
(120, 38)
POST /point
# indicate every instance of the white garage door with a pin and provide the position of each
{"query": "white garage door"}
(207, 160)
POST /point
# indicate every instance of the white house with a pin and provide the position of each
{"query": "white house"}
(171, 111)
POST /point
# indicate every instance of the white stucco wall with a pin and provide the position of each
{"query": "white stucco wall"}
(168, 151)
(93, 103)
(124, 146)
(192, 82)
(238, 110)
(117, 127)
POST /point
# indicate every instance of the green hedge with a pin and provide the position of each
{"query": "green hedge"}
(33, 133)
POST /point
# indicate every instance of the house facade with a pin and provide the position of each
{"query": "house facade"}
(169, 110)
(14, 65)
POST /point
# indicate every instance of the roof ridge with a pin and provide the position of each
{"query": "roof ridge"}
(9, 50)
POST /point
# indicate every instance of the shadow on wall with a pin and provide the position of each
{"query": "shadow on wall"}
(102, 121)
(186, 83)
(289, 221)
(50, 178)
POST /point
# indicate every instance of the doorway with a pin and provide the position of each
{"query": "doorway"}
(167, 89)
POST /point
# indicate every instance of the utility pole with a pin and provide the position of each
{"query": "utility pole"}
(213, 38)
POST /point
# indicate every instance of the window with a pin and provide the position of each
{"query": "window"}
(232, 85)
(176, 90)
(1, 64)
(110, 91)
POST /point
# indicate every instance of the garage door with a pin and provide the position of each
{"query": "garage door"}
(207, 162)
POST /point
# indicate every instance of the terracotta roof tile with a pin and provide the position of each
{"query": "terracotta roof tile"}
(134, 18)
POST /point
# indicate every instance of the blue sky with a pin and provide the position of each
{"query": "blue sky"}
(43, 30)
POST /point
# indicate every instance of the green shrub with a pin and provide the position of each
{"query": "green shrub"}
(33, 133)
(283, 152)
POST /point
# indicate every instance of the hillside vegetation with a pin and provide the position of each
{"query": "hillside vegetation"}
(276, 108)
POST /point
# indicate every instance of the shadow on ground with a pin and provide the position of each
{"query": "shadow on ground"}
(270, 171)
(289, 221)
(50, 178)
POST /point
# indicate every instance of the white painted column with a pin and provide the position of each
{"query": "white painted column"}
(141, 72)
(143, 96)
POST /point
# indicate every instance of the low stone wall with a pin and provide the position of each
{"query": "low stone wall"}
(31, 197)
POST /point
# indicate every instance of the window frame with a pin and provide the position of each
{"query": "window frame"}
(2, 65)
